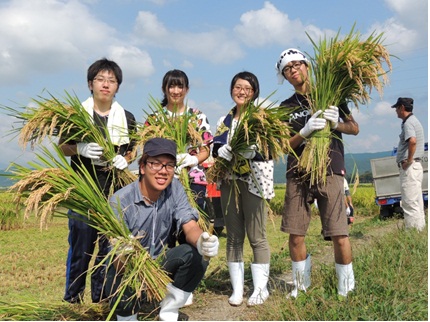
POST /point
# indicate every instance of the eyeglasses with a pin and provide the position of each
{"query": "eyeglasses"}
(157, 166)
(102, 80)
(296, 66)
(238, 89)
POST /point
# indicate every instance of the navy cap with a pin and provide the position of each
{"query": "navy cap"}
(405, 101)
(158, 146)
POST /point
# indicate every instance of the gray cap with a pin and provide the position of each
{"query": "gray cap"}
(158, 146)
(405, 101)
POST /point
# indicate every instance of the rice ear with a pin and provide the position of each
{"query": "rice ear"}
(51, 183)
(341, 71)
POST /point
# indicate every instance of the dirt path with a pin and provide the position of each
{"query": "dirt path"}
(213, 305)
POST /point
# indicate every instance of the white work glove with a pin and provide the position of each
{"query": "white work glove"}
(207, 245)
(225, 152)
(186, 160)
(348, 211)
(332, 114)
(119, 162)
(123, 250)
(313, 124)
(90, 150)
(250, 152)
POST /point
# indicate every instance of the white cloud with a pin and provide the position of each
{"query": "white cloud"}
(266, 26)
(148, 29)
(361, 116)
(45, 36)
(215, 46)
(383, 108)
(412, 13)
(134, 62)
(269, 25)
(368, 142)
(397, 37)
(187, 64)
(408, 29)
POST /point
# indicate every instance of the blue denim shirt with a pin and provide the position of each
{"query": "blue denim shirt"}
(153, 223)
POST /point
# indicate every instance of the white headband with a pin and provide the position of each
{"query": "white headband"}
(288, 55)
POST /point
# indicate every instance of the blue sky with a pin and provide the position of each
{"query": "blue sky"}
(47, 45)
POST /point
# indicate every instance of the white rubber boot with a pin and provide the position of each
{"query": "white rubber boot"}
(308, 270)
(170, 305)
(301, 276)
(189, 300)
(346, 280)
(126, 318)
(260, 277)
(237, 279)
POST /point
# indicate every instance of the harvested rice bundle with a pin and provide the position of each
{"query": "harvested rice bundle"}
(183, 129)
(263, 127)
(53, 118)
(51, 185)
(341, 71)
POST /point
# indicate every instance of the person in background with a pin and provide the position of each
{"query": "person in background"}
(104, 78)
(410, 152)
(249, 215)
(292, 65)
(348, 203)
(175, 87)
(150, 207)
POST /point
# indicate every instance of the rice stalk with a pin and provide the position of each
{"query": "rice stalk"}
(69, 120)
(341, 71)
(184, 131)
(43, 311)
(52, 183)
(264, 127)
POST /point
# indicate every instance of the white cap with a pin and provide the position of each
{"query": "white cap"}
(288, 55)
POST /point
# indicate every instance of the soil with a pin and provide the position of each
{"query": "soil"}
(213, 305)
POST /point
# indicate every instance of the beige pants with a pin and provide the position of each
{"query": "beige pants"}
(244, 213)
(412, 196)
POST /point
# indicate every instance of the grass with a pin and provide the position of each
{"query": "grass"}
(390, 267)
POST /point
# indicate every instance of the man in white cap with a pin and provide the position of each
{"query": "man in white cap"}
(410, 152)
(300, 194)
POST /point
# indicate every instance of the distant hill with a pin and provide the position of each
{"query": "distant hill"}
(4, 181)
(359, 161)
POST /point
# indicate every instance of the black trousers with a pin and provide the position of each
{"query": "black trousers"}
(185, 266)
(82, 239)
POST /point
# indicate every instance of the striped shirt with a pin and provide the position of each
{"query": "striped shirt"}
(411, 127)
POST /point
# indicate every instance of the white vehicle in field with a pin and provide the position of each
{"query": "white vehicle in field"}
(386, 181)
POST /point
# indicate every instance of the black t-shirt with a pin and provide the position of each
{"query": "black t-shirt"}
(100, 175)
(297, 120)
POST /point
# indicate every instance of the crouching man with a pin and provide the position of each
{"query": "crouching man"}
(150, 206)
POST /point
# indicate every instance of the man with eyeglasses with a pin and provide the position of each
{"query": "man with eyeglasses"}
(104, 78)
(151, 206)
(293, 66)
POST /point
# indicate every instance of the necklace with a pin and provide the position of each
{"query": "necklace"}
(147, 199)
(298, 101)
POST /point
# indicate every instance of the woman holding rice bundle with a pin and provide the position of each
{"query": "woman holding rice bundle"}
(175, 87)
(300, 192)
(244, 192)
